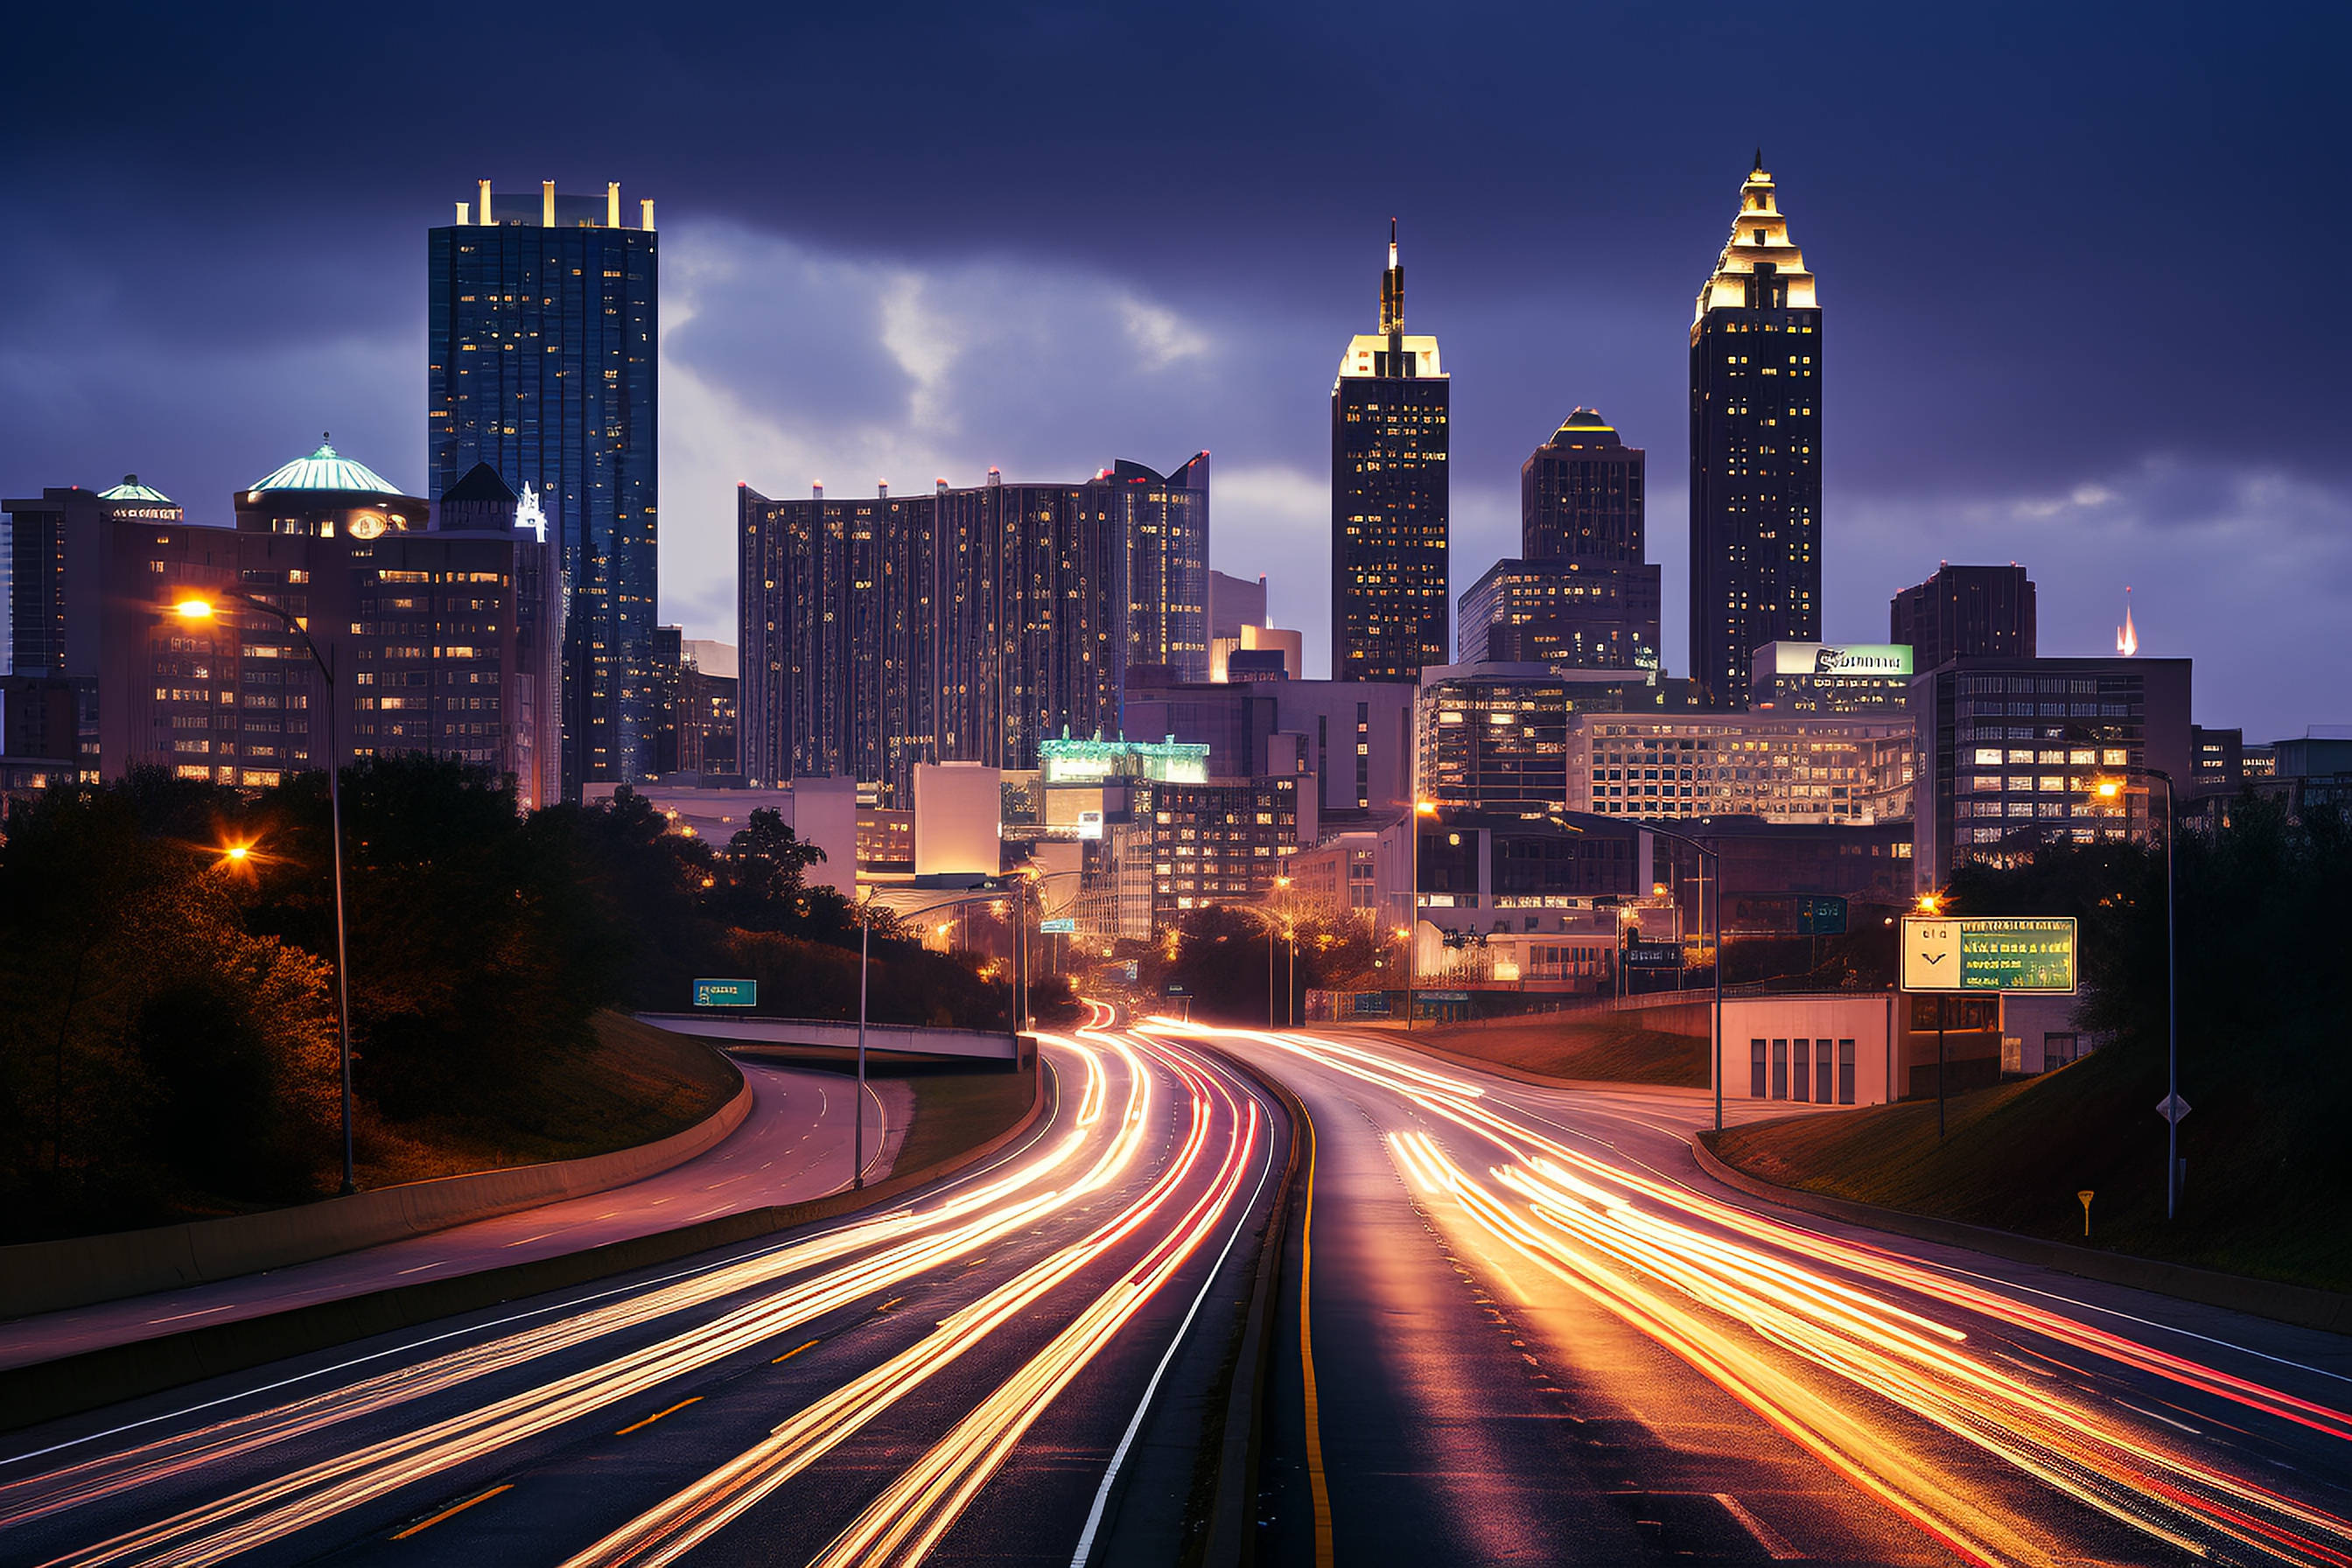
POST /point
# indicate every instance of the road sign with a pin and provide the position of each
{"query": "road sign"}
(2172, 1108)
(1065, 925)
(1818, 914)
(1989, 954)
(726, 993)
(2084, 1197)
(1654, 955)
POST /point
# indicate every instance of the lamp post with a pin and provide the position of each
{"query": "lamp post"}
(1421, 808)
(1933, 904)
(1716, 916)
(2110, 789)
(865, 962)
(195, 609)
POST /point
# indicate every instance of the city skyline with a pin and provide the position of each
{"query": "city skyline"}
(2005, 421)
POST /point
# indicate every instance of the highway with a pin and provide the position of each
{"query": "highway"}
(960, 1375)
(793, 1144)
(1533, 1332)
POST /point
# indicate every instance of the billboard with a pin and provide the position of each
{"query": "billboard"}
(1841, 658)
(1989, 954)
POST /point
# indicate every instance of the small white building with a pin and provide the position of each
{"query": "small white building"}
(1815, 1049)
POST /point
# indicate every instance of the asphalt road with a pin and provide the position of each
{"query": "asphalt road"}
(794, 1144)
(1535, 1332)
(950, 1380)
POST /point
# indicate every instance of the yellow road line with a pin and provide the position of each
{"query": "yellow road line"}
(794, 1352)
(454, 1508)
(1316, 1486)
(657, 1416)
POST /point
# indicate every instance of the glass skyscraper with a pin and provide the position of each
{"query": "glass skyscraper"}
(542, 334)
(1755, 449)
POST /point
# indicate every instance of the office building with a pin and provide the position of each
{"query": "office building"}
(1755, 449)
(1218, 841)
(1390, 497)
(2219, 762)
(2311, 772)
(441, 624)
(1964, 612)
(1779, 767)
(56, 584)
(1564, 613)
(960, 624)
(1355, 736)
(1493, 737)
(542, 331)
(1831, 677)
(1235, 602)
(1580, 495)
(1258, 653)
(2011, 751)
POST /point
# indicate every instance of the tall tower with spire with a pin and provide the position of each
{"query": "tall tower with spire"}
(1390, 492)
(1755, 449)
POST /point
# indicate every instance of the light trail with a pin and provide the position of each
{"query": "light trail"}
(269, 1510)
(915, 1509)
(1806, 1329)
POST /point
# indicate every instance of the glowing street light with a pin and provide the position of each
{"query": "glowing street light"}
(192, 609)
(238, 852)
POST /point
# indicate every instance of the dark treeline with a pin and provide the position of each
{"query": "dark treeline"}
(168, 1045)
(2263, 922)
(1219, 955)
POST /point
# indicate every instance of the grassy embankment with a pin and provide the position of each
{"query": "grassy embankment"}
(2265, 1194)
(628, 1085)
(1614, 1047)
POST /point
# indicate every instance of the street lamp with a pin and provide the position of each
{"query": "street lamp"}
(2112, 789)
(1716, 915)
(1421, 808)
(195, 609)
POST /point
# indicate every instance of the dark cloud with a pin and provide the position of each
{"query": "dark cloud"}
(2062, 250)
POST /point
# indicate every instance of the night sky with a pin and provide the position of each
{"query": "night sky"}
(2079, 267)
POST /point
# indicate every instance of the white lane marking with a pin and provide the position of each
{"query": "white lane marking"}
(526, 1241)
(2152, 1416)
(1774, 1543)
(437, 1263)
(1126, 1440)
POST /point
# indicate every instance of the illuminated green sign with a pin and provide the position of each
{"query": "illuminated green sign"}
(1989, 954)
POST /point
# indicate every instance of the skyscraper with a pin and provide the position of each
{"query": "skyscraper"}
(542, 329)
(1964, 611)
(961, 624)
(1389, 442)
(1755, 449)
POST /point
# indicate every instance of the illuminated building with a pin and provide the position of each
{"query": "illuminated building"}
(1831, 677)
(1755, 449)
(1779, 767)
(1354, 737)
(1493, 737)
(1965, 610)
(1566, 613)
(961, 624)
(2011, 752)
(440, 624)
(1389, 489)
(542, 328)
(1218, 841)
(1235, 602)
(56, 548)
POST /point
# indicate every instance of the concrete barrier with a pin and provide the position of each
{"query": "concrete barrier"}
(45, 1391)
(2275, 1300)
(49, 1276)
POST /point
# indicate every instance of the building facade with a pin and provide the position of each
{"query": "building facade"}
(1493, 737)
(1355, 737)
(1964, 612)
(1390, 496)
(1569, 613)
(1781, 768)
(962, 625)
(543, 333)
(2012, 752)
(1755, 449)
(440, 624)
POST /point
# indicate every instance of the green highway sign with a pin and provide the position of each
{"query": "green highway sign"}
(726, 993)
(1818, 914)
(1989, 954)
(1065, 925)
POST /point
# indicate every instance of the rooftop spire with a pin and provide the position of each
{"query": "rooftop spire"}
(1759, 162)
(1393, 288)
